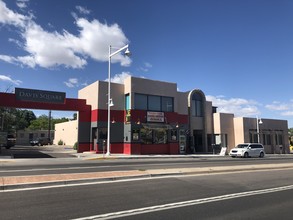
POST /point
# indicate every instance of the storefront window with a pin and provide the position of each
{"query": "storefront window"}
(135, 135)
(146, 136)
(160, 136)
(174, 134)
(153, 136)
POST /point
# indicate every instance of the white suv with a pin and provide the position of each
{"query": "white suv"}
(248, 150)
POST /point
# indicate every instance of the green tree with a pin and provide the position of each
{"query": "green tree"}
(7, 121)
(41, 123)
(24, 118)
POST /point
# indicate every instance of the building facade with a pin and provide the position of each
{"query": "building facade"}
(152, 117)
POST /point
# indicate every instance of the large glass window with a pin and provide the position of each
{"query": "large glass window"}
(167, 104)
(160, 136)
(153, 136)
(196, 105)
(154, 103)
(141, 102)
(127, 102)
(146, 136)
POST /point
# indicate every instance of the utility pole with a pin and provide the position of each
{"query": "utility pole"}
(49, 126)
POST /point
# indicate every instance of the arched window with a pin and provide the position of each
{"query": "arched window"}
(197, 105)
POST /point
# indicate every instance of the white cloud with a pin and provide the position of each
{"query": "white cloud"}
(278, 106)
(50, 49)
(238, 106)
(8, 79)
(83, 10)
(71, 83)
(119, 78)
(10, 17)
(284, 109)
(22, 4)
(8, 59)
(146, 66)
(95, 38)
(287, 113)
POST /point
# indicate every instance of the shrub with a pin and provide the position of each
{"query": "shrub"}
(75, 146)
(60, 142)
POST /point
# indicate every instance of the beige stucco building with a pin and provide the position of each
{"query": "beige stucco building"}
(152, 117)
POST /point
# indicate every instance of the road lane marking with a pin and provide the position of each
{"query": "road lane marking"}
(113, 181)
(167, 206)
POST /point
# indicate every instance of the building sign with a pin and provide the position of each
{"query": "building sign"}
(39, 96)
(155, 117)
(128, 116)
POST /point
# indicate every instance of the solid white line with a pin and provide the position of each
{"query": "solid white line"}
(184, 203)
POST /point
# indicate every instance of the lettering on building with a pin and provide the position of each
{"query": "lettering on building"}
(39, 96)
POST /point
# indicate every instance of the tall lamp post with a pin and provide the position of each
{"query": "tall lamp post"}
(258, 122)
(110, 101)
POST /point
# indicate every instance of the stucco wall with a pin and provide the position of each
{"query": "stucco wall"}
(67, 132)
(90, 94)
(239, 131)
(209, 117)
(224, 124)
(182, 103)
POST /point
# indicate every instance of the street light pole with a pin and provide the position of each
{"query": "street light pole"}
(110, 101)
(258, 122)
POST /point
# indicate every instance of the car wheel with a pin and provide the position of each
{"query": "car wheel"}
(261, 155)
(245, 155)
(7, 147)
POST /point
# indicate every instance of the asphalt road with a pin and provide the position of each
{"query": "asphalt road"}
(244, 195)
(58, 166)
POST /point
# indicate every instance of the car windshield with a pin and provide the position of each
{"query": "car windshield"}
(242, 145)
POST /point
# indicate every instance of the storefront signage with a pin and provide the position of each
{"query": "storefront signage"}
(128, 116)
(155, 117)
(39, 96)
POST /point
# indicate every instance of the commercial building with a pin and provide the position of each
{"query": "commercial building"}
(152, 117)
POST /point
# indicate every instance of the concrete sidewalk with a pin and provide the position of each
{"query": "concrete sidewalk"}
(21, 182)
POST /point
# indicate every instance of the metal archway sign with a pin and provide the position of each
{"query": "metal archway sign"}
(50, 100)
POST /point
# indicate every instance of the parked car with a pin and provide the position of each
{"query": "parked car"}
(248, 150)
(7, 140)
(41, 142)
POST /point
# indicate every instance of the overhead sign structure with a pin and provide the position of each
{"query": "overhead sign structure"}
(39, 96)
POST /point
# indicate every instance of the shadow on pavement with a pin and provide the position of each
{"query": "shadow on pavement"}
(19, 152)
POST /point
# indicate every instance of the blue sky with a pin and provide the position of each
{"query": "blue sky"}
(238, 52)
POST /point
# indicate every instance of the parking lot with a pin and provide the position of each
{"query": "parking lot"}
(46, 151)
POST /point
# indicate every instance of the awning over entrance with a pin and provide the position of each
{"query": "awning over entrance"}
(156, 126)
